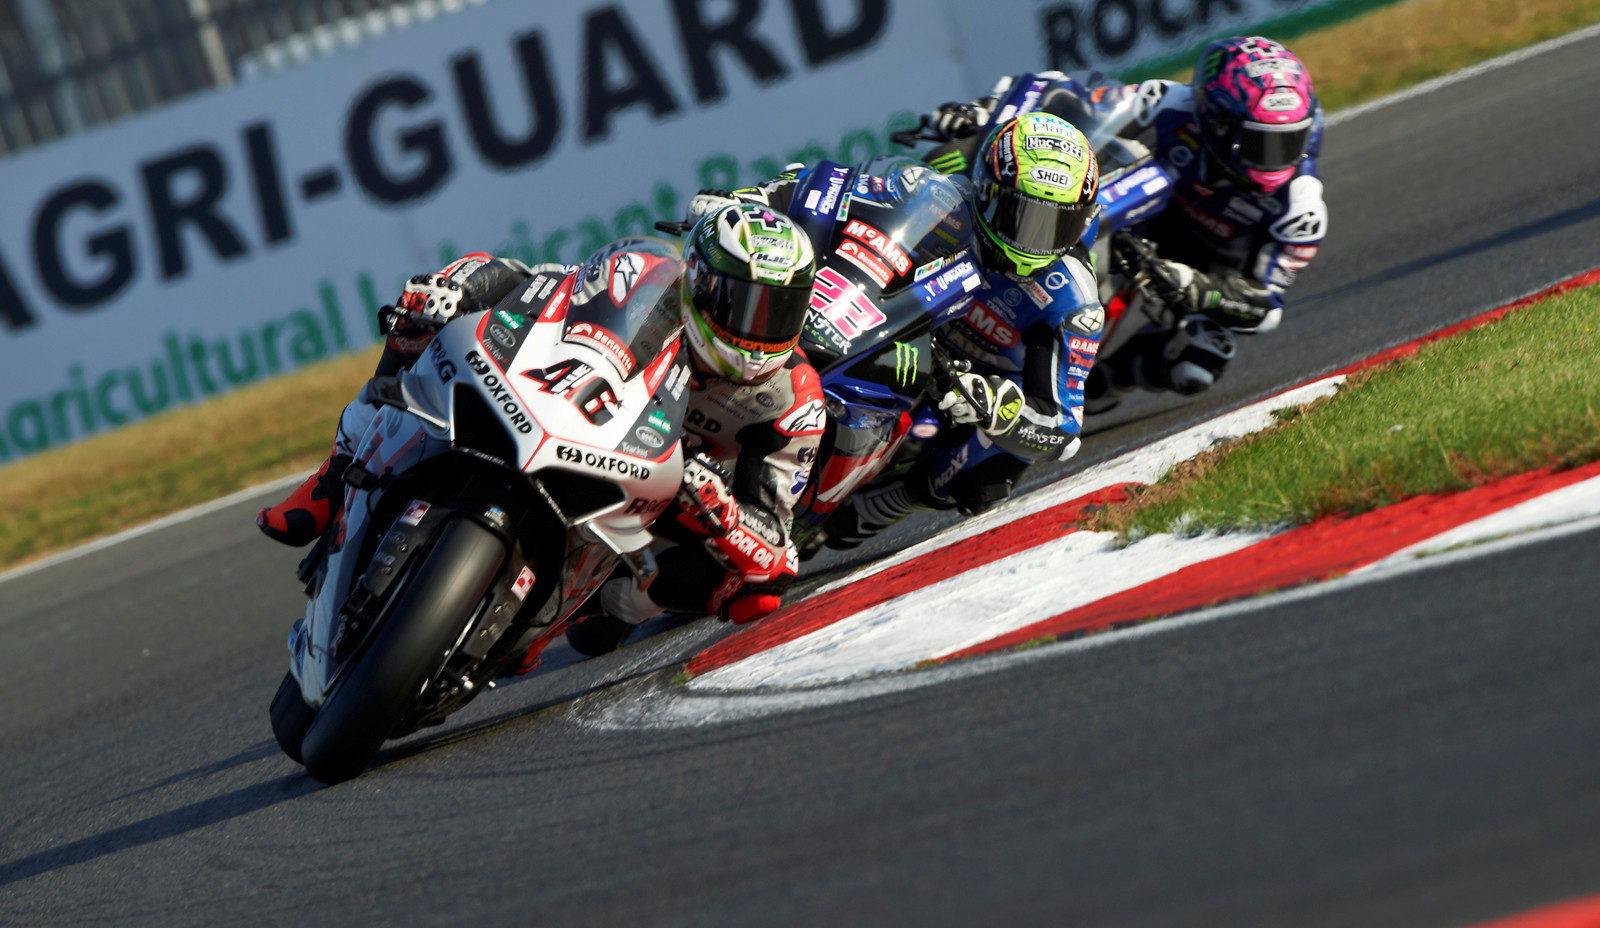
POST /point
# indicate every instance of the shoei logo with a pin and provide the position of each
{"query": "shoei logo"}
(1053, 178)
(604, 463)
(1284, 101)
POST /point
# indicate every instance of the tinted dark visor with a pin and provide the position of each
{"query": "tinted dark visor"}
(749, 315)
(1273, 148)
(1031, 225)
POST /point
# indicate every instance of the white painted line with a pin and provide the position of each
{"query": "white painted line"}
(973, 525)
(652, 704)
(1575, 503)
(1142, 465)
(1467, 73)
(971, 608)
(138, 531)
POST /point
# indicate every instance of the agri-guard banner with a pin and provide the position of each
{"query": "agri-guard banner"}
(249, 231)
(252, 230)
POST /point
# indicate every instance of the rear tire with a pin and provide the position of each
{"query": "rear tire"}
(290, 717)
(375, 695)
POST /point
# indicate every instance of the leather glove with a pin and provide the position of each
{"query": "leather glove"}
(707, 202)
(1235, 302)
(432, 295)
(1227, 298)
(992, 403)
(705, 498)
(955, 121)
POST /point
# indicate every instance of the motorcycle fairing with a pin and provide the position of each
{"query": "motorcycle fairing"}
(469, 372)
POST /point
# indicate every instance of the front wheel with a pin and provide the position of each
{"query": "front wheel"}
(372, 697)
(290, 717)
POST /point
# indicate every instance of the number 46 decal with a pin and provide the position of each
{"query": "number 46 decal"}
(596, 399)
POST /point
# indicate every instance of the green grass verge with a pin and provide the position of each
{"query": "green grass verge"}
(185, 457)
(178, 459)
(1517, 395)
(1360, 49)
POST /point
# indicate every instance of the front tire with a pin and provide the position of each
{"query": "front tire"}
(290, 717)
(374, 695)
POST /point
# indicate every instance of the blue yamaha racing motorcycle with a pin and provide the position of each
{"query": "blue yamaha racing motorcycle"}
(1134, 186)
(893, 240)
(895, 261)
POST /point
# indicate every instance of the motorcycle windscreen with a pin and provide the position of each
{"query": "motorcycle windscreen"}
(625, 303)
(1101, 107)
(903, 218)
(904, 222)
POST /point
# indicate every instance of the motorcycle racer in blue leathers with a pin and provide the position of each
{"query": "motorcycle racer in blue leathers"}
(1246, 214)
(1023, 349)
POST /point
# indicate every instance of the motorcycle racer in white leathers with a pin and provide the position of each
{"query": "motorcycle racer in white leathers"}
(753, 423)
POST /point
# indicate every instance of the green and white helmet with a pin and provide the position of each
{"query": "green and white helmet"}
(1034, 192)
(746, 287)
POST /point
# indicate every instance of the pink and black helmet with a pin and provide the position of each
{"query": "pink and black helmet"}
(1256, 108)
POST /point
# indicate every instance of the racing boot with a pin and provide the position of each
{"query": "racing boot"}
(300, 519)
(874, 508)
(617, 609)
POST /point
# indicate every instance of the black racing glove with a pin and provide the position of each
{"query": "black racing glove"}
(1230, 299)
(954, 121)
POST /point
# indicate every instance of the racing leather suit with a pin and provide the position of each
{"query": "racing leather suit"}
(1244, 247)
(1040, 333)
(764, 436)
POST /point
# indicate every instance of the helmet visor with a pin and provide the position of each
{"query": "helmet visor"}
(748, 315)
(1030, 224)
(1273, 148)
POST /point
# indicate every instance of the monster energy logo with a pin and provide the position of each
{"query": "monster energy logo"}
(905, 364)
(951, 162)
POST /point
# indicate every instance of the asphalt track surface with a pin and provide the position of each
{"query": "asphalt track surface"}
(1413, 752)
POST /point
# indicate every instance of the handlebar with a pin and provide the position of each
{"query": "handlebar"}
(910, 137)
(1134, 259)
(391, 317)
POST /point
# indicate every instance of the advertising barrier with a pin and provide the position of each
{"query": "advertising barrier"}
(248, 231)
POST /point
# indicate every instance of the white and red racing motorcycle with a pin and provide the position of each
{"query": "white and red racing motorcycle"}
(507, 473)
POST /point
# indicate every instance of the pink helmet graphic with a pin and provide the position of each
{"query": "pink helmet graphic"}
(1256, 108)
